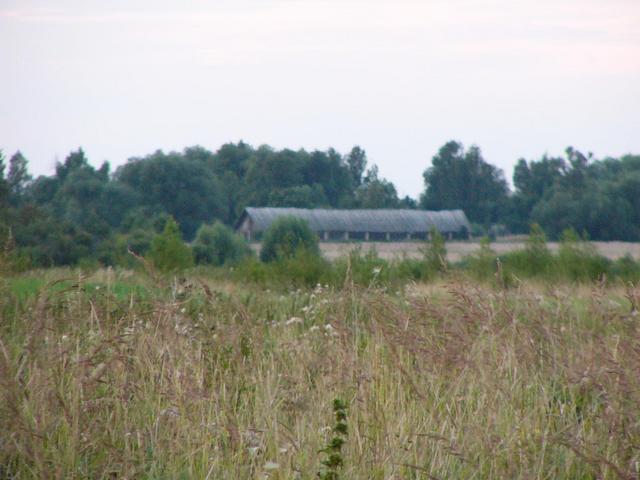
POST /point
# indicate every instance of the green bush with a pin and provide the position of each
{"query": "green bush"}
(285, 237)
(626, 269)
(363, 269)
(578, 260)
(411, 269)
(217, 245)
(304, 268)
(168, 252)
(435, 253)
(534, 260)
(251, 270)
(482, 264)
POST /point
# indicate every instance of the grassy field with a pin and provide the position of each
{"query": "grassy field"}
(119, 376)
(456, 250)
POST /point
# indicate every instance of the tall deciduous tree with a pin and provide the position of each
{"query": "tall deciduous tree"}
(4, 186)
(18, 176)
(187, 190)
(463, 179)
(376, 192)
(357, 163)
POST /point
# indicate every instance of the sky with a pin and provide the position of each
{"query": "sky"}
(518, 78)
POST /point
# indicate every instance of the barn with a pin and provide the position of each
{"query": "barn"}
(364, 225)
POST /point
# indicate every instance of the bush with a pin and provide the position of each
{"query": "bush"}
(435, 253)
(304, 268)
(217, 245)
(252, 270)
(578, 260)
(285, 237)
(482, 264)
(626, 269)
(535, 260)
(365, 270)
(168, 252)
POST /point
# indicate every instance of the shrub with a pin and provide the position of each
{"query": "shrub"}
(168, 252)
(578, 260)
(285, 237)
(626, 269)
(365, 270)
(250, 269)
(217, 244)
(304, 268)
(534, 260)
(482, 263)
(435, 254)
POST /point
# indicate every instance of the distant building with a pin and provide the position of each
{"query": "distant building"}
(374, 225)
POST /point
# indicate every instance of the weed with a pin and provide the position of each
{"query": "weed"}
(334, 460)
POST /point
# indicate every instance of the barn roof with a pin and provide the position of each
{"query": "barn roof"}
(380, 221)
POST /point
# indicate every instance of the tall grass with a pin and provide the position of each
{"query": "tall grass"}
(215, 380)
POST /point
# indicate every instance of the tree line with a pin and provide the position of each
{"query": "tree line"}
(83, 212)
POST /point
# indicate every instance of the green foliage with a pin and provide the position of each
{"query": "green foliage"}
(578, 260)
(252, 270)
(168, 252)
(482, 264)
(18, 177)
(176, 184)
(376, 192)
(435, 253)
(84, 213)
(334, 460)
(599, 197)
(459, 179)
(535, 259)
(625, 268)
(9, 260)
(285, 237)
(217, 244)
(364, 269)
(357, 162)
(304, 268)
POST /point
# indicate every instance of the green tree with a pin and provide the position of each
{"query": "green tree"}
(168, 252)
(376, 192)
(459, 179)
(532, 181)
(435, 254)
(217, 244)
(4, 185)
(285, 237)
(188, 190)
(18, 176)
(357, 162)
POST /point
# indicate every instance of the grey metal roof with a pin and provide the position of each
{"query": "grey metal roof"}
(374, 221)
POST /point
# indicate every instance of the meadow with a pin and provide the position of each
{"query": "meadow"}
(458, 250)
(121, 374)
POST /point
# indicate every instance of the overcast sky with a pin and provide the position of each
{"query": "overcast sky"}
(400, 78)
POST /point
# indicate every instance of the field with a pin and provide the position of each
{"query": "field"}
(120, 375)
(457, 250)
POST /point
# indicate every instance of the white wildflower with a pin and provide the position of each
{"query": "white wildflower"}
(293, 320)
(330, 330)
(170, 412)
(253, 451)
